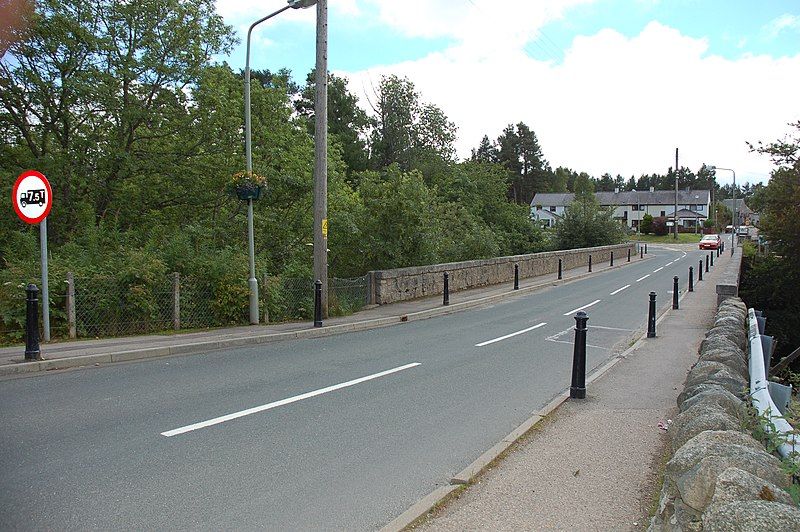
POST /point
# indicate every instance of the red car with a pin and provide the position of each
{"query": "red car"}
(710, 242)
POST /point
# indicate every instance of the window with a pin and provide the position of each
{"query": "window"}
(552, 208)
(663, 213)
(634, 207)
(699, 208)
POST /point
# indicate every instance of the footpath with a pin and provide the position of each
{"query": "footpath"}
(591, 464)
(72, 354)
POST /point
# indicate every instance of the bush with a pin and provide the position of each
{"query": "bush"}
(660, 226)
(647, 224)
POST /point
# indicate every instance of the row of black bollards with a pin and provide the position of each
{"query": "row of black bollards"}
(577, 388)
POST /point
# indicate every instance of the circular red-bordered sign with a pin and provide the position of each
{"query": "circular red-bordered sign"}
(32, 197)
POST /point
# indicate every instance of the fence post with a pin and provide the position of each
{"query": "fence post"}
(578, 388)
(317, 303)
(691, 279)
(516, 277)
(176, 301)
(675, 292)
(651, 317)
(32, 349)
(446, 299)
(73, 329)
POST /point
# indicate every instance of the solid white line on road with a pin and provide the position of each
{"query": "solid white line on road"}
(642, 278)
(596, 301)
(608, 328)
(282, 402)
(617, 291)
(523, 331)
(658, 270)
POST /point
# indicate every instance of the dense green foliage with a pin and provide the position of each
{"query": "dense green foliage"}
(771, 282)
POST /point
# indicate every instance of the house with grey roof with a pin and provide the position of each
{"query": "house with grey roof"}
(744, 213)
(630, 206)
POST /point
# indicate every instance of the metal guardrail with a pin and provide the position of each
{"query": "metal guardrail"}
(761, 390)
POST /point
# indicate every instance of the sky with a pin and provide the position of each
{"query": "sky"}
(607, 85)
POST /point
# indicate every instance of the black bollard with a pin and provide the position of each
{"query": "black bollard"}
(706, 263)
(651, 317)
(612, 258)
(645, 249)
(641, 252)
(691, 279)
(712, 257)
(559, 268)
(700, 272)
(516, 277)
(317, 303)
(675, 292)
(590, 263)
(629, 254)
(446, 300)
(578, 388)
(32, 349)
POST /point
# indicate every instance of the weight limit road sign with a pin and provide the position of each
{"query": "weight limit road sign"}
(32, 197)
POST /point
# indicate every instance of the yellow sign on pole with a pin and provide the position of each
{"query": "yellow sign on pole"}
(325, 228)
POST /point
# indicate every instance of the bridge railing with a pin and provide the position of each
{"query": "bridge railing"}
(762, 390)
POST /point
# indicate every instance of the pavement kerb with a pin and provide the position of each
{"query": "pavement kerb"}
(469, 474)
(318, 332)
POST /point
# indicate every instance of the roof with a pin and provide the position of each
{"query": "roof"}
(544, 212)
(630, 197)
(684, 213)
(741, 206)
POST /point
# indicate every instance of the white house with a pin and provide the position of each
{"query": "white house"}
(630, 206)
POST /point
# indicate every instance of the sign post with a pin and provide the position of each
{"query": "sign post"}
(32, 198)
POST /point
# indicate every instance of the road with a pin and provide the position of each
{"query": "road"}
(342, 432)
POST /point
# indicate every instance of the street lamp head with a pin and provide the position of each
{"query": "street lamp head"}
(301, 4)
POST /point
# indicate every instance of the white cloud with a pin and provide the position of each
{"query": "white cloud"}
(615, 104)
(781, 23)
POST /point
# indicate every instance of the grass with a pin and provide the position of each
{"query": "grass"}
(683, 238)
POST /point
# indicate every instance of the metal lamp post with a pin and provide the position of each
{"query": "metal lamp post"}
(294, 4)
(735, 214)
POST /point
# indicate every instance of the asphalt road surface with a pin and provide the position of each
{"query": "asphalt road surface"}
(343, 432)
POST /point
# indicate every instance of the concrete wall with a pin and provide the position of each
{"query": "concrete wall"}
(391, 286)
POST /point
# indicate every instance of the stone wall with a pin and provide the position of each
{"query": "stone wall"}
(391, 286)
(719, 477)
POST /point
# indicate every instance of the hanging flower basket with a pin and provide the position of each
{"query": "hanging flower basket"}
(248, 186)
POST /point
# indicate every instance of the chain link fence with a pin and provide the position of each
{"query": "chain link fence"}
(108, 307)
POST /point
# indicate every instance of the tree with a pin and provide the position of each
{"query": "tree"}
(486, 152)
(407, 131)
(96, 93)
(647, 224)
(528, 171)
(348, 124)
(585, 223)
